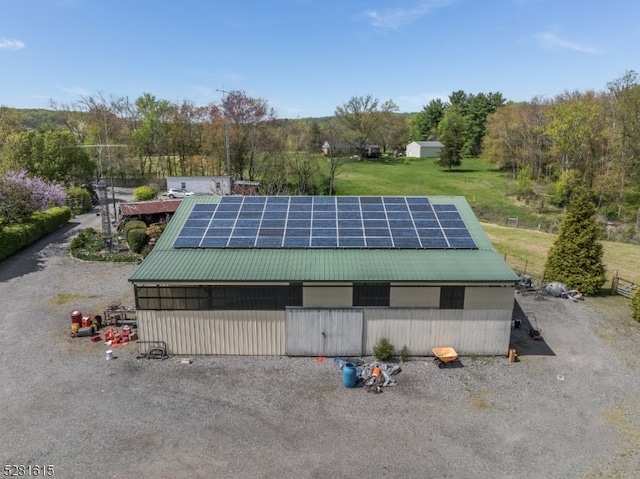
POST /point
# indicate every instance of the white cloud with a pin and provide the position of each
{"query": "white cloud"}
(75, 91)
(394, 18)
(6, 44)
(551, 40)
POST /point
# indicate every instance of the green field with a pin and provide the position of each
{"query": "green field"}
(487, 191)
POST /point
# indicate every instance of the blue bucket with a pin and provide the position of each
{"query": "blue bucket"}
(349, 375)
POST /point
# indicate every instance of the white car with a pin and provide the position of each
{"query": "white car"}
(178, 193)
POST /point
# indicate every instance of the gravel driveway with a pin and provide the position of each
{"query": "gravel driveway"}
(569, 408)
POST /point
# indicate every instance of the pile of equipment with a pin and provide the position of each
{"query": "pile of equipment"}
(84, 325)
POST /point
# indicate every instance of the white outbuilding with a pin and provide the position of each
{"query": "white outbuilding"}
(424, 149)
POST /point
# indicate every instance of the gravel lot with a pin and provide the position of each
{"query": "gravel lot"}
(569, 408)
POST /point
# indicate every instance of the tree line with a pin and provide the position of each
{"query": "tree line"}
(589, 139)
(549, 146)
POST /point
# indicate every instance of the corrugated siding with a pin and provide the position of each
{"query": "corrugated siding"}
(324, 332)
(421, 330)
(246, 333)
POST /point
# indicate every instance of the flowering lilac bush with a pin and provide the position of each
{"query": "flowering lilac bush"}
(21, 195)
(44, 194)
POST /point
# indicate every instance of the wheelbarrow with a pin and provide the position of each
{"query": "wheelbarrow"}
(445, 357)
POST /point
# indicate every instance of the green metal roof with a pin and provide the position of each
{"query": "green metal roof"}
(168, 264)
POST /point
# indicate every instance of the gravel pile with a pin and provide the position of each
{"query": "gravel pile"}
(567, 409)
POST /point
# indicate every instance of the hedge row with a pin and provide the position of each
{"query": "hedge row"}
(15, 236)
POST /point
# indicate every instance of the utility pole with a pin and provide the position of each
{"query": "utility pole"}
(226, 132)
(102, 193)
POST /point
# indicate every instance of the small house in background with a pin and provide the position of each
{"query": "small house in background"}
(201, 185)
(347, 149)
(244, 187)
(424, 149)
(151, 212)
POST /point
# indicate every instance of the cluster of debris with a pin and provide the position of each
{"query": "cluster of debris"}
(556, 289)
(373, 377)
(114, 337)
(119, 324)
(85, 325)
(560, 290)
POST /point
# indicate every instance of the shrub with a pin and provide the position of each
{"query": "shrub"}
(137, 239)
(79, 200)
(635, 305)
(15, 201)
(89, 245)
(404, 353)
(154, 231)
(16, 236)
(383, 349)
(133, 224)
(145, 193)
(88, 239)
(44, 194)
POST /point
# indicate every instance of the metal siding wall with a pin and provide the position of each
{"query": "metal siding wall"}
(468, 332)
(215, 332)
(342, 328)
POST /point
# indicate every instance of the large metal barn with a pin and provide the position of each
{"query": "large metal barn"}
(307, 276)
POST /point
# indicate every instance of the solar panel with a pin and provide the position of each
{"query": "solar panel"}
(324, 222)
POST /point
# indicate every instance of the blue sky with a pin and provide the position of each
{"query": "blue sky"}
(306, 57)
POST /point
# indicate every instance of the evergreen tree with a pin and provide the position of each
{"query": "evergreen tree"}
(635, 305)
(576, 255)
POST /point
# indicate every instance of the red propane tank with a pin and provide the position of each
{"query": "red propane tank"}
(76, 317)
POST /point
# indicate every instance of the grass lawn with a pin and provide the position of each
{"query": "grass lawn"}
(526, 251)
(487, 191)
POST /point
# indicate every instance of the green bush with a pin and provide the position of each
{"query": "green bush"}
(14, 237)
(145, 193)
(154, 231)
(89, 245)
(79, 200)
(383, 349)
(404, 353)
(132, 225)
(137, 239)
(87, 239)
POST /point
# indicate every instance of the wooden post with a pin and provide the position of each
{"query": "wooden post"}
(614, 283)
(512, 355)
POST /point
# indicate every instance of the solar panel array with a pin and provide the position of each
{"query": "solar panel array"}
(324, 222)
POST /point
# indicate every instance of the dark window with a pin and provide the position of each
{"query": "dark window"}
(371, 294)
(206, 298)
(452, 297)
